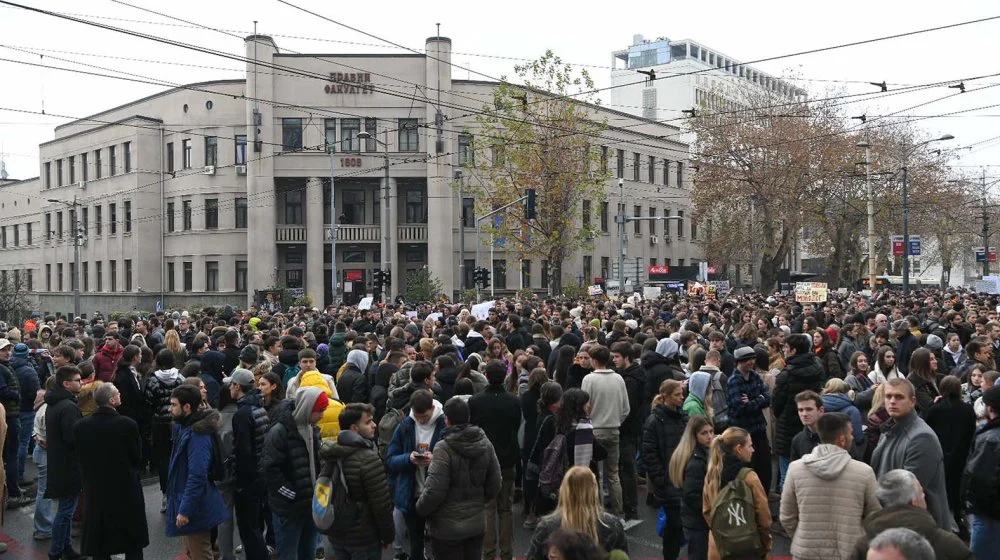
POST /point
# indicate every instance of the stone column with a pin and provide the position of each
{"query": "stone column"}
(315, 239)
(395, 269)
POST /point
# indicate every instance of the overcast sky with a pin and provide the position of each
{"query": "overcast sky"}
(487, 37)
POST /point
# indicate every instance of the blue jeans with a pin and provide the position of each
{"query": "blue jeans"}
(62, 525)
(295, 537)
(24, 437)
(43, 505)
(783, 463)
(985, 536)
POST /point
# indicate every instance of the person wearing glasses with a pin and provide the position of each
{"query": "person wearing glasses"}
(64, 483)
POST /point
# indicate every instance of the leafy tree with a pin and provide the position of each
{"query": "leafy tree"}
(421, 286)
(538, 137)
(16, 303)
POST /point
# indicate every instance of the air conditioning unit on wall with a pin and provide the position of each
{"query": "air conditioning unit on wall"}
(653, 240)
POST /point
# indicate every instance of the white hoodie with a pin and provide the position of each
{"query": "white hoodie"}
(424, 433)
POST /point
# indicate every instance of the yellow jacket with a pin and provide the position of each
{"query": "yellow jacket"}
(329, 425)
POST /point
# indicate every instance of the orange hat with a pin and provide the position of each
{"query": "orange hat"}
(321, 403)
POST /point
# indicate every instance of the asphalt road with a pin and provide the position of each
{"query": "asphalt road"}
(644, 544)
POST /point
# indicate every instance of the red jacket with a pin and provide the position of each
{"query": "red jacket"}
(106, 360)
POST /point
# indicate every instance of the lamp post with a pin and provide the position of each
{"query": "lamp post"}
(386, 230)
(871, 213)
(77, 234)
(906, 211)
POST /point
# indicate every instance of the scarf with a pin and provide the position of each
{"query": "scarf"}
(583, 443)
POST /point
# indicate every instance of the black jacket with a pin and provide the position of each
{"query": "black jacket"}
(131, 393)
(498, 413)
(353, 386)
(657, 370)
(803, 443)
(286, 465)
(544, 348)
(364, 474)
(27, 381)
(518, 340)
(529, 411)
(10, 392)
(925, 390)
(400, 398)
(250, 424)
(691, 493)
(661, 435)
(981, 478)
(635, 383)
(446, 380)
(954, 422)
(61, 416)
(156, 395)
(110, 451)
(803, 372)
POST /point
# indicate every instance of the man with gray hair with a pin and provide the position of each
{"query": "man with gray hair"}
(110, 452)
(900, 544)
(903, 505)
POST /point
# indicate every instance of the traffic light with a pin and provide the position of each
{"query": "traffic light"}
(530, 210)
(486, 277)
(387, 277)
(378, 278)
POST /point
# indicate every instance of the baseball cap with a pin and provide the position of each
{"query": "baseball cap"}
(744, 353)
(241, 377)
(4, 343)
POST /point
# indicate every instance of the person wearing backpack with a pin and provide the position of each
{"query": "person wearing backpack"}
(194, 504)
(288, 359)
(734, 502)
(365, 483)
(660, 437)
(249, 428)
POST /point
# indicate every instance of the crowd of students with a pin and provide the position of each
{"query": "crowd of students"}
(860, 427)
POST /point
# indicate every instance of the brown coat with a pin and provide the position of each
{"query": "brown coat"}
(761, 507)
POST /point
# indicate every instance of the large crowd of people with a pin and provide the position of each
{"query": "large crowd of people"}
(861, 427)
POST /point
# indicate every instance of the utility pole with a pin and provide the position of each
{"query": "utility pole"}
(622, 243)
(333, 233)
(906, 236)
(461, 230)
(77, 235)
(386, 226)
(871, 213)
(986, 230)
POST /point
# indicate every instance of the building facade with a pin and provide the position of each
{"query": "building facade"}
(204, 193)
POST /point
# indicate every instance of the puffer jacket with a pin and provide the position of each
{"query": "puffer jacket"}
(834, 402)
(691, 492)
(189, 491)
(803, 372)
(106, 361)
(286, 465)
(156, 395)
(826, 496)
(364, 474)
(250, 425)
(338, 353)
(610, 535)
(352, 386)
(660, 436)
(463, 476)
(329, 424)
(27, 380)
(658, 369)
(946, 545)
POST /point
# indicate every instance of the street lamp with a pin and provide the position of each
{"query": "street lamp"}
(76, 252)
(871, 213)
(386, 232)
(906, 211)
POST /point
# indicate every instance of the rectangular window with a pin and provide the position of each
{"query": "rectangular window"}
(48, 278)
(48, 227)
(586, 213)
(666, 172)
(604, 216)
(371, 127)
(186, 215)
(186, 153)
(211, 276)
(545, 274)
(293, 278)
(188, 281)
(112, 161)
(3, 236)
(28, 274)
(211, 213)
(330, 134)
(409, 137)
(241, 276)
(652, 223)
(128, 216)
(71, 226)
(652, 170)
(59, 172)
(71, 166)
(128, 275)
(211, 150)
(127, 154)
(171, 284)
(113, 275)
(376, 208)
(694, 229)
(469, 212)
(680, 262)
(99, 276)
(293, 207)
(680, 174)
(620, 160)
(72, 276)
(47, 166)
(98, 166)
(465, 153)
(59, 277)
(635, 166)
(291, 135)
(468, 271)
(86, 276)
(170, 157)
(604, 159)
(241, 213)
(499, 276)
(525, 274)
(416, 206)
(27, 233)
(652, 261)
(637, 224)
(352, 256)
(241, 149)
(97, 220)
(605, 267)
(112, 219)
(680, 223)
(17, 235)
(588, 269)
(170, 217)
(349, 130)
(59, 225)
(84, 171)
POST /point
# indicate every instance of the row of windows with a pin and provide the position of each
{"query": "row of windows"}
(212, 284)
(68, 283)
(18, 279)
(210, 213)
(66, 169)
(14, 232)
(653, 170)
(357, 206)
(210, 152)
(407, 135)
(653, 227)
(57, 227)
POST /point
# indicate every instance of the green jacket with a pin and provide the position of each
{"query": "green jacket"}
(693, 405)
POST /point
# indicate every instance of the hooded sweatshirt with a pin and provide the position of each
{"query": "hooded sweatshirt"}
(826, 496)
(304, 401)
(424, 433)
(697, 389)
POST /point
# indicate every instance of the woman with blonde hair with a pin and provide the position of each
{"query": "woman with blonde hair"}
(660, 437)
(877, 416)
(172, 342)
(688, 465)
(729, 462)
(579, 510)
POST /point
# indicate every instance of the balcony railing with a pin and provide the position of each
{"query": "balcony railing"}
(369, 233)
(290, 234)
(412, 233)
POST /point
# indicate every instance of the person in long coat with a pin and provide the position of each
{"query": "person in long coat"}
(110, 451)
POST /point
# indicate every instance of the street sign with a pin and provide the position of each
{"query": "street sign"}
(915, 245)
(980, 254)
(898, 247)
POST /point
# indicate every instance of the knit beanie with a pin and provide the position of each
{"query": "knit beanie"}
(322, 401)
(20, 350)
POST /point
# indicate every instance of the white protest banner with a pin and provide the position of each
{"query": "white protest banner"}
(594, 290)
(433, 316)
(411, 314)
(810, 292)
(365, 303)
(481, 311)
(722, 287)
(651, 292)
